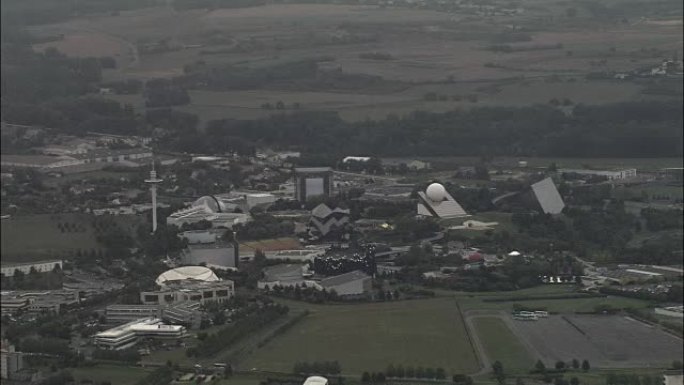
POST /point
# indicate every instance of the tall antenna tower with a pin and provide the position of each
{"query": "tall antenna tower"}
(153, 182)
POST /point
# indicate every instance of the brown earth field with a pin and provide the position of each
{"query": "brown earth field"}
(426, 51)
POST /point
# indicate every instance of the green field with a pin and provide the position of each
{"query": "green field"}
(475, 301)
(117, 375)
(369, 337)
(37, 237)
(502, 345)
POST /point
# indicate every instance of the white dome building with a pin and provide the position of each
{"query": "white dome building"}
(436, 192)
(184, 273)
(436, 202)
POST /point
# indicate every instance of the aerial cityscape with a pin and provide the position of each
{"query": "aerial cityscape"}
(342, 192)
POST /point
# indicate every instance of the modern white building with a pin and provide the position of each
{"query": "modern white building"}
(208, 208)
(39, 266)
(609, 174)
(436, 202)
(127, 335)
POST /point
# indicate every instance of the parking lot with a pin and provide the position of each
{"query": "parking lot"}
(605, 340)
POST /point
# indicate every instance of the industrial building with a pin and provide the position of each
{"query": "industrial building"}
(218, 255)
(312, 181)
(355, 284)
(436, 202)
(286, 275)
(127, 335)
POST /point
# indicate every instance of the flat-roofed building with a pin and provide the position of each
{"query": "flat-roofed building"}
(116, 314)
(609, 174)
(38, 301)
(190, 290)
(39, 266)
(312, 181)
(127, 335)
(219, 255)
(355, 284)
(548, 197)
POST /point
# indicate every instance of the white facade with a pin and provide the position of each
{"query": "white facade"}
(127, 335)
(610, 174)
(41, 267)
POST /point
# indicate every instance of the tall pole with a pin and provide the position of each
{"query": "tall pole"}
(153, 182)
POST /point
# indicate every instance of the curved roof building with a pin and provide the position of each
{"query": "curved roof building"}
(194, 273)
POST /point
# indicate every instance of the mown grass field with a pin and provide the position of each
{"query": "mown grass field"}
(502, 345)
(116, 375)
(369, 337)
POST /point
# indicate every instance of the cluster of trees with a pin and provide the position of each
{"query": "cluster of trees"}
(33, 280)
(626, 129)
(264, 226)
(632, 379)
(400, 371)
(317, 367)
(241, 327)
(429, 373)
(304, 293)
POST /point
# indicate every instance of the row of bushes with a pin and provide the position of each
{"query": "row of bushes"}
(214, 343)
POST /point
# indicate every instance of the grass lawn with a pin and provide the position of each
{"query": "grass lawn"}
(117, 375)
(501, 345)
(20, 243)
(369, 337)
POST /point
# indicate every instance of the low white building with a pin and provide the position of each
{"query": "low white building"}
(39, 266)
(609, 174)
(127, 335)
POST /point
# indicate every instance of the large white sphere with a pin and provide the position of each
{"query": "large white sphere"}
(436, 192)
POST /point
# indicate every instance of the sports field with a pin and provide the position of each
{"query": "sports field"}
(116, 375)
(369, 337)
(501, 344)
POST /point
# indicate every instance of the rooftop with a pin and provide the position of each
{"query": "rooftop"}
(312, 169)
(344, 278)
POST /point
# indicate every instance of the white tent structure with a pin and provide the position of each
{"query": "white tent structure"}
(437, 202)
(196, 273)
